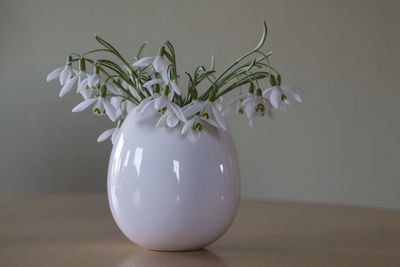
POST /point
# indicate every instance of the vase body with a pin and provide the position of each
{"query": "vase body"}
(168, 193)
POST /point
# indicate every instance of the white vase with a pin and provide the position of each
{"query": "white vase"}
(168, 193)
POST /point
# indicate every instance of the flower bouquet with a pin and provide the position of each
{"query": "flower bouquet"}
(114, 88)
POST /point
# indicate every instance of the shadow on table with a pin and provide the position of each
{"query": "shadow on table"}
(145, 258)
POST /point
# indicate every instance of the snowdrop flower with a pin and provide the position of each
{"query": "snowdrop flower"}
(207, 111)
(81, 77)
(212, 110)
(113, 133)
(101, 106)
(172, 116)
(199, 112)
(157, 62)
(193, 128)
(164, 82)
(107, 134)
(172, 113)
(64, 73)
(279, 96)
(94, 79)
(236, 102)
(255, 107)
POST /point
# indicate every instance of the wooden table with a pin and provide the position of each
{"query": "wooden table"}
(78, 230)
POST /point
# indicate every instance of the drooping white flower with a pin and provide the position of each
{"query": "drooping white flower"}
(80, 77)
(279, 96)
(157, 62)
(64, 73)
(171, 117)
(236, 102)
(206, 111)
(212, 110)
(93, 80)
(161, 103)
(113, 132)
(101, 105)
(256, 107)
(119, 105)
(164, 82)
(193, 128)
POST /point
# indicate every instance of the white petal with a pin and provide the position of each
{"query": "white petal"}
(293, 91)
(129, 106)
(276, 98)
(172, 120)
(161, 121)
(67, 86)
(159, 64)
(142, 104)
(255, 120)
(175, 88)
(65, 74)
(111, 89)
(84, 104)
(143, 62)
(85, 93)
(177, 111)
(267, 92)
(110, 110)
(146, 106)
(93, 80)
(116, 101)
(160, 102)
(232, 103)
(193, 108)
(188, 125)
(211, 122)
(194, 136)
(106, 134)
(164, 75)
(218, 103)
(54, 74)
(218, 117)
(115, 135)
(249, 110)
(152, 82)
(82, 85)
(297, 98)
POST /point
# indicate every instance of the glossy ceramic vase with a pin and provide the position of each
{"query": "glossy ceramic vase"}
(168, 193)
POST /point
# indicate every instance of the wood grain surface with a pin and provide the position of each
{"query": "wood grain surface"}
(78, 230)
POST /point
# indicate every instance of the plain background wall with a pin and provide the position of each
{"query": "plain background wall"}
(340, 146)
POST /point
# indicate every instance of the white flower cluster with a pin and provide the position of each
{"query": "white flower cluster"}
(151, 85)
(107, 99)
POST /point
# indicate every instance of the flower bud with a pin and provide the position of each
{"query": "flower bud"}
(278, 79)
(103, 90)
(251, 88)
(272, 80)
(82, 65)
(96, 69)
(69, 60)
(212, 96)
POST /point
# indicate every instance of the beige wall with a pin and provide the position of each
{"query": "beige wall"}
(341, 146)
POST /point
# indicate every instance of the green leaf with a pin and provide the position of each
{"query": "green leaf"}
(263, 37)
(139, 53)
